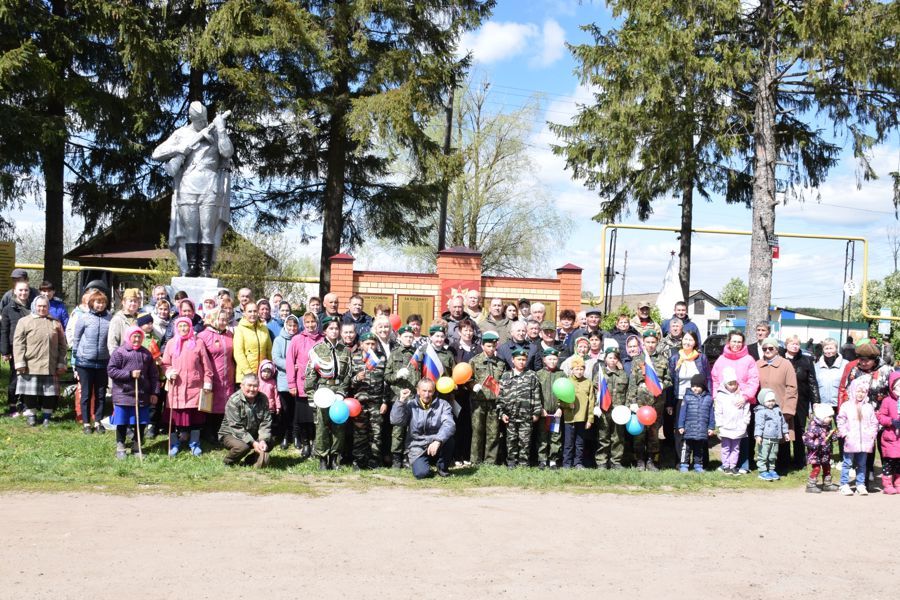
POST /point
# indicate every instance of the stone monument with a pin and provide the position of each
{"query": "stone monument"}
(198, 157)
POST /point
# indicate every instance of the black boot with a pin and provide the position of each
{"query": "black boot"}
(206, 259)
(323, 464)
(192, 251)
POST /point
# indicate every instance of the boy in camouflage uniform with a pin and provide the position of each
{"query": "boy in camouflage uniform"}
(400, 376)
(646, 444)
(329, 366)
(520, 407)
(550, 442)
(485, 424)
(367, 384)
(610, 437)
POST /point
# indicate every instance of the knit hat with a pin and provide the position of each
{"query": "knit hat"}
(823, 411)
(144, 319)
(576, 361)
(698, 380)
(867, 350)
(729, 375)
(769, 341)
(764, 395)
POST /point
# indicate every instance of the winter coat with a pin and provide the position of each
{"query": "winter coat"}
(118, 325)
(122, 362)
(195, 373)
(807, 386)
(731, 420)
(269, 387)
(89, 342)
(887, 415)
(279, 354)
(829, 379)
(858, 428)
(697, 415)
(252, 345)
(745, 368)
(425, 425)
(770, 423)
(779, 376)
(39, 345)
(297, 358)
(220, 346)
(10, 316)
(817, 438)
(249, 421)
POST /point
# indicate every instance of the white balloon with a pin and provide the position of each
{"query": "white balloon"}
(323, 398)
(620, 414)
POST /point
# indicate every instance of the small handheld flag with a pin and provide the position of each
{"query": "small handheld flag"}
(651, 379)
(432, 368)
(372, 360)
(492, 385)
(603, 393)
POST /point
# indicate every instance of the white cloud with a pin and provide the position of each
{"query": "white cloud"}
(553, 44)
(497, 41)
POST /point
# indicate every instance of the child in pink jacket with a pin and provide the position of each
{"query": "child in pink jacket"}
(268, 385)
(889, 418)
(858, 427)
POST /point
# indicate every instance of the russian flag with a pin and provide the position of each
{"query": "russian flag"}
(603, 393)
(415, 361)
(651, 379)
(371, 360)
(432, 367)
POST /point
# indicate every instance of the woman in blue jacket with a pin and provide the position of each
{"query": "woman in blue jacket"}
(91, 355)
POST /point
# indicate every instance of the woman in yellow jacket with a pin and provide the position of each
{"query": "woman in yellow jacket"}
(252, 343)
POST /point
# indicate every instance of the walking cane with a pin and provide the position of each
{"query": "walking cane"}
(137, 419)
(169, 408)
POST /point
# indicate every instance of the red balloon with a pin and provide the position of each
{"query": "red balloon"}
(353, 406)
(646, 415)
(395, 321)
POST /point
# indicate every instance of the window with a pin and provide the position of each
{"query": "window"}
(712, 327)
(699, 307)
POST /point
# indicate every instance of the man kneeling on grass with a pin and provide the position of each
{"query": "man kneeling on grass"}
(247, 427)
(431, 429)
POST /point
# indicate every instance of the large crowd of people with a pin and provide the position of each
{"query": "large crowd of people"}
(494, 384)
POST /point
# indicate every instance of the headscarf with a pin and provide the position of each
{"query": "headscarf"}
(284, 332)
(131, 331)
(179, 340)
(34, 305)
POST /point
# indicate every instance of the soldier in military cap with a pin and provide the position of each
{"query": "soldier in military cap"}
(368, 386)
(646, 444)
(487, 371)
(520, 407)
(328, 367)
(550, 430)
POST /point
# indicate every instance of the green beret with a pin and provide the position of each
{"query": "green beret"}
(367, 336)
(650, 333)
(436, 328)
(403, 329)
(551, 351)
(329, 319)
(519, 351)
(614, 351)
(490, 336)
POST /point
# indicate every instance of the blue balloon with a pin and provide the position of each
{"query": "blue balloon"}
(634, 427)
(339, 412)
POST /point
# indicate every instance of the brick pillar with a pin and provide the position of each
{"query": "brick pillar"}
(457, 268)
(342, 278)
(569, 277)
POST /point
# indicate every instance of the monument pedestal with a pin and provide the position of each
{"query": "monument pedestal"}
(195, 287)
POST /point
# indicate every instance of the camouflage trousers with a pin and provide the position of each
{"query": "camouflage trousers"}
(367, 435)
(485, 432)
(646, 443)
(549, 442)
(329, 435)
(610, 440)
(518, 442)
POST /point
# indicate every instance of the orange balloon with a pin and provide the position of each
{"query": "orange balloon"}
(462, 373)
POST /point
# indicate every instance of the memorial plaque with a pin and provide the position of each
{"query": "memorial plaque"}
(416, 305)
(370, 301)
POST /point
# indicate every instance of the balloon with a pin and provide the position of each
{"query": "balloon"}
(564, 390)
(445, 385)
(646, 415)
(620, 415)
(338, 413)
(634, 426)
(395, 322)
(323, 398)
(462, 373)
(353, 406)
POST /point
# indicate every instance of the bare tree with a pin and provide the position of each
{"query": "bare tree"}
(893, 242)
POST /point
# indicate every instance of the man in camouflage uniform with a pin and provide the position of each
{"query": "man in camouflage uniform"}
(610, 437)
(520, 407)
(328, 367)
(400, 376)
(485, 423)
(646, 444)
(550, 442)
(367, 384)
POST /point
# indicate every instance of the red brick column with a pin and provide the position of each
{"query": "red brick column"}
(342, 278)
(569, 276)
(457, 268)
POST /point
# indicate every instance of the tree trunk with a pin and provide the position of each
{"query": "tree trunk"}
(687, 217)
(53, 167)
(763, 224)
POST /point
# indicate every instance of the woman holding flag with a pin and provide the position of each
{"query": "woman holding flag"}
(649, 377)
(328, 367)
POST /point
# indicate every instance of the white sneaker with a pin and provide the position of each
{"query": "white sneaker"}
(861, 491)
(845, 490)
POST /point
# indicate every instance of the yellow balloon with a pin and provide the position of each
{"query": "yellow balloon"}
(445, 385)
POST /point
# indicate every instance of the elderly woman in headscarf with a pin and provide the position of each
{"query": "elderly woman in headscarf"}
(131, 367)
(189, 372)
(290, 328)
(39, 348)
(219, 342)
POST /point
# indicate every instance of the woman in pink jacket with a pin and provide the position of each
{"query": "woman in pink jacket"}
(735, 355)
(189, 371)
(295, 363)
(219, 342)
(858, 427)
(889, 418)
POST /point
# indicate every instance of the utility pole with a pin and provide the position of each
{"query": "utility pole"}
(624, 270)
(442, 225)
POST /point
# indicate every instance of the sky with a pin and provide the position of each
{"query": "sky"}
(521, 50)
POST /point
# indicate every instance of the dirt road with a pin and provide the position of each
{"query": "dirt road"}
(402, 543)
